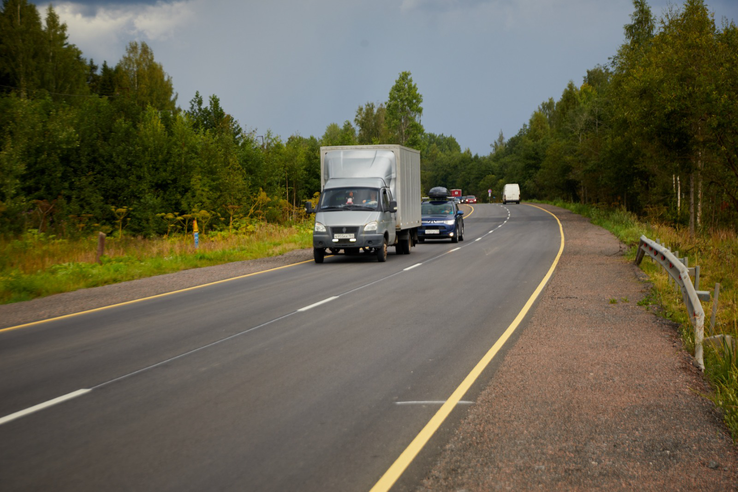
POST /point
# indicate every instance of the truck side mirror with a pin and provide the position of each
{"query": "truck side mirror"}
(309, 208)
(393, 206)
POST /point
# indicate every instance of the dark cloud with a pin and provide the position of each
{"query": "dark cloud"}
(89, 8)
(116, 3)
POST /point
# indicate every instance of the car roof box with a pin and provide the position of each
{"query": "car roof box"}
(438, 192)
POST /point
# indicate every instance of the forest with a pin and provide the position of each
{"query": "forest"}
(86, 148)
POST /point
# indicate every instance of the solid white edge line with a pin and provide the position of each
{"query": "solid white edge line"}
(41, 406)
(317, 304)
(411, 267)
(478, 239)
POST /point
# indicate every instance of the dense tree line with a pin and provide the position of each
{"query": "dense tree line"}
(84, 147)
(654, 130)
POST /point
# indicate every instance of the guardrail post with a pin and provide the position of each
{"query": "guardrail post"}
(696, 277)
(714, 308)
(100, 247)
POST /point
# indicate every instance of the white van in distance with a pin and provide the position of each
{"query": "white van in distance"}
(511, 193)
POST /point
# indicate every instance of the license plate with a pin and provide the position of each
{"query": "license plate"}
(432, 231)
(343, 236)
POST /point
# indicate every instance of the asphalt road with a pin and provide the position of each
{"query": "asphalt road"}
(313, 377)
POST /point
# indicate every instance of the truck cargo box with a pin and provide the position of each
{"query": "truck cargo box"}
(398, 166)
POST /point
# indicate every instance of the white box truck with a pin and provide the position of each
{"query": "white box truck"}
(511, 193)
(370, 199)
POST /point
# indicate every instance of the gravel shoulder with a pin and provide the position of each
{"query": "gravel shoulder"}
(593, 395)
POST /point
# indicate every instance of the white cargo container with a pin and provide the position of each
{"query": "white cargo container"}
(511, 193)
(370, 199)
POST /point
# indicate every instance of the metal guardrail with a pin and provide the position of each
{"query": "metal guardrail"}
(680, 274)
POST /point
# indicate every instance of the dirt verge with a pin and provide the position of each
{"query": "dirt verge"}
(597, 393)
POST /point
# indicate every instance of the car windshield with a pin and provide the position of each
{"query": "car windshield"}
(349, 199)
(432, 208)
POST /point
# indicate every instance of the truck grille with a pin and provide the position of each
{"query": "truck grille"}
(344, 230)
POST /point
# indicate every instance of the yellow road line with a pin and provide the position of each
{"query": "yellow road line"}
(408, 455)
(26, 325)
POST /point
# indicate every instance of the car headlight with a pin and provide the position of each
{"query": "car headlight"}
(371, 226)
(449, 222)
(319, 227)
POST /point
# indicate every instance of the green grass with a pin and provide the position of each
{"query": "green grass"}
(716, 252)
(37, 265)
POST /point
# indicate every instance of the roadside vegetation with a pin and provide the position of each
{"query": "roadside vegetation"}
(716, 252)
(37, 265)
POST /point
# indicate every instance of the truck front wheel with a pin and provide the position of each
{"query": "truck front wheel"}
(382, 252)
(318, 255)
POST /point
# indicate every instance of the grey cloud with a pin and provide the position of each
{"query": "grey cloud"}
(89, 8)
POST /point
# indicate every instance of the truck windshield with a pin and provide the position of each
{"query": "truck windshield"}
(349, 199)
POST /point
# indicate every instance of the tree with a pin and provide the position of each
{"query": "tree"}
(671, 91)
(20, 46)
(404, 111)
(499, 144)
(335, 135)
(63, 70)
(106, 84)
(144, 80)
(371, 124)
(212, 118)
(302, 168)
(36, 57)
(722, 125)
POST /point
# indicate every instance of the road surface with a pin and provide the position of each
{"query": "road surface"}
(313, 377)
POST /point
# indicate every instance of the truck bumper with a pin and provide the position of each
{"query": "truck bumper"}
(324, 240)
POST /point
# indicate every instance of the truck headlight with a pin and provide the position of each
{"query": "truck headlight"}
(319, 227)
(371, 226)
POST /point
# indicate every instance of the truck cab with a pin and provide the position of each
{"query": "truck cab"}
(354, 215)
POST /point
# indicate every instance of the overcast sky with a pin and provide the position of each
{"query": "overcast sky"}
(294, 67)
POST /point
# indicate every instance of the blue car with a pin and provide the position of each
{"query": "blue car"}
(442, 219)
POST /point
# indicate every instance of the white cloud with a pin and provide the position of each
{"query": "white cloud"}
(161, 21)
(105, 34)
